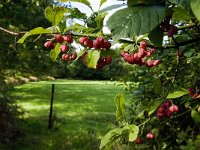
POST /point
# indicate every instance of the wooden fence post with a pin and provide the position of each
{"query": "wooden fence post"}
(51, 107)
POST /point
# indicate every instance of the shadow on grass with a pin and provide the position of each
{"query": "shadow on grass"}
(83, 113)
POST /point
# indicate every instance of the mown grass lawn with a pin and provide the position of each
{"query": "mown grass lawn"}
(83, 112)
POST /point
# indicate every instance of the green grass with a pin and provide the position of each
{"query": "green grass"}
(83, 112)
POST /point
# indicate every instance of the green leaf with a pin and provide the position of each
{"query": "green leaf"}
(177, 94)
(108, 140)
(181, 15)
(119, 102)
(134, 130)
(38, 30)
(156, 36)
(154, 106)
(184, 4)
(137, 20)
(99, 20)
(91, 58)
(195, 5)
(195, 116)
(102, 1)
(86, 2)
(55, 52)
(54, 15)
(80, 53)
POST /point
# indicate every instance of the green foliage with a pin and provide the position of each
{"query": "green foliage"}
(195, 8)
(177, 94)
(195, 116)
(119, 102)
(91, 58)
(55, 52)
(156, 36)
(137, 20)
(55, 15)
(86, 2)
(38, 30)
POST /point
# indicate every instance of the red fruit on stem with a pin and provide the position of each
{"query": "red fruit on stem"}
(160, 115)
(73, 56)
(97, 45)
(156, 62)
(150, 136)
(138, 140)
(108, 59)
(167, 103)
(100, 40)
(65, 57)
(143, 44)
(82, 39)
(149, 64)
(49, 45)
(58, 38)
(88, 43)
(64, 48)
(168, 113)
(152, 50)
(174, 108)
(106, 45)
(126, 56)
(68, 39)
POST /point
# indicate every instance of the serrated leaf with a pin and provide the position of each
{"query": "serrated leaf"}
(137, 20)
(120, 106)
(91, 59)
(55, 15)
(55, 52)
(156, 36)
(177, 94)
(195, 5)
(86, 2)
(38, 30)
(195, 116)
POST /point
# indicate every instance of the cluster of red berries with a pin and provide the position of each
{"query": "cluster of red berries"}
(149, 136)
(101, 44)
(139, 57)
(98, 43)
(166, 109)
(167, 27)
(104, 61)
(64, 48)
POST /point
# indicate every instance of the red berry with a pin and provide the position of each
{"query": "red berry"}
(108, 59)
(64, 48)
(88, 43)
(150, 136)
(100, 40)
(65, 57)
(49, 45)
(160, 115)
(156, 62)
(97, 45)
(174, 108)
(82, 39)
(143, 44)
(58, 38)
(138, 140)
(68, 39)
(106, 45)
(168, 113)
(73, 56)
(167, 103)
(149, 63)
(152, 50)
